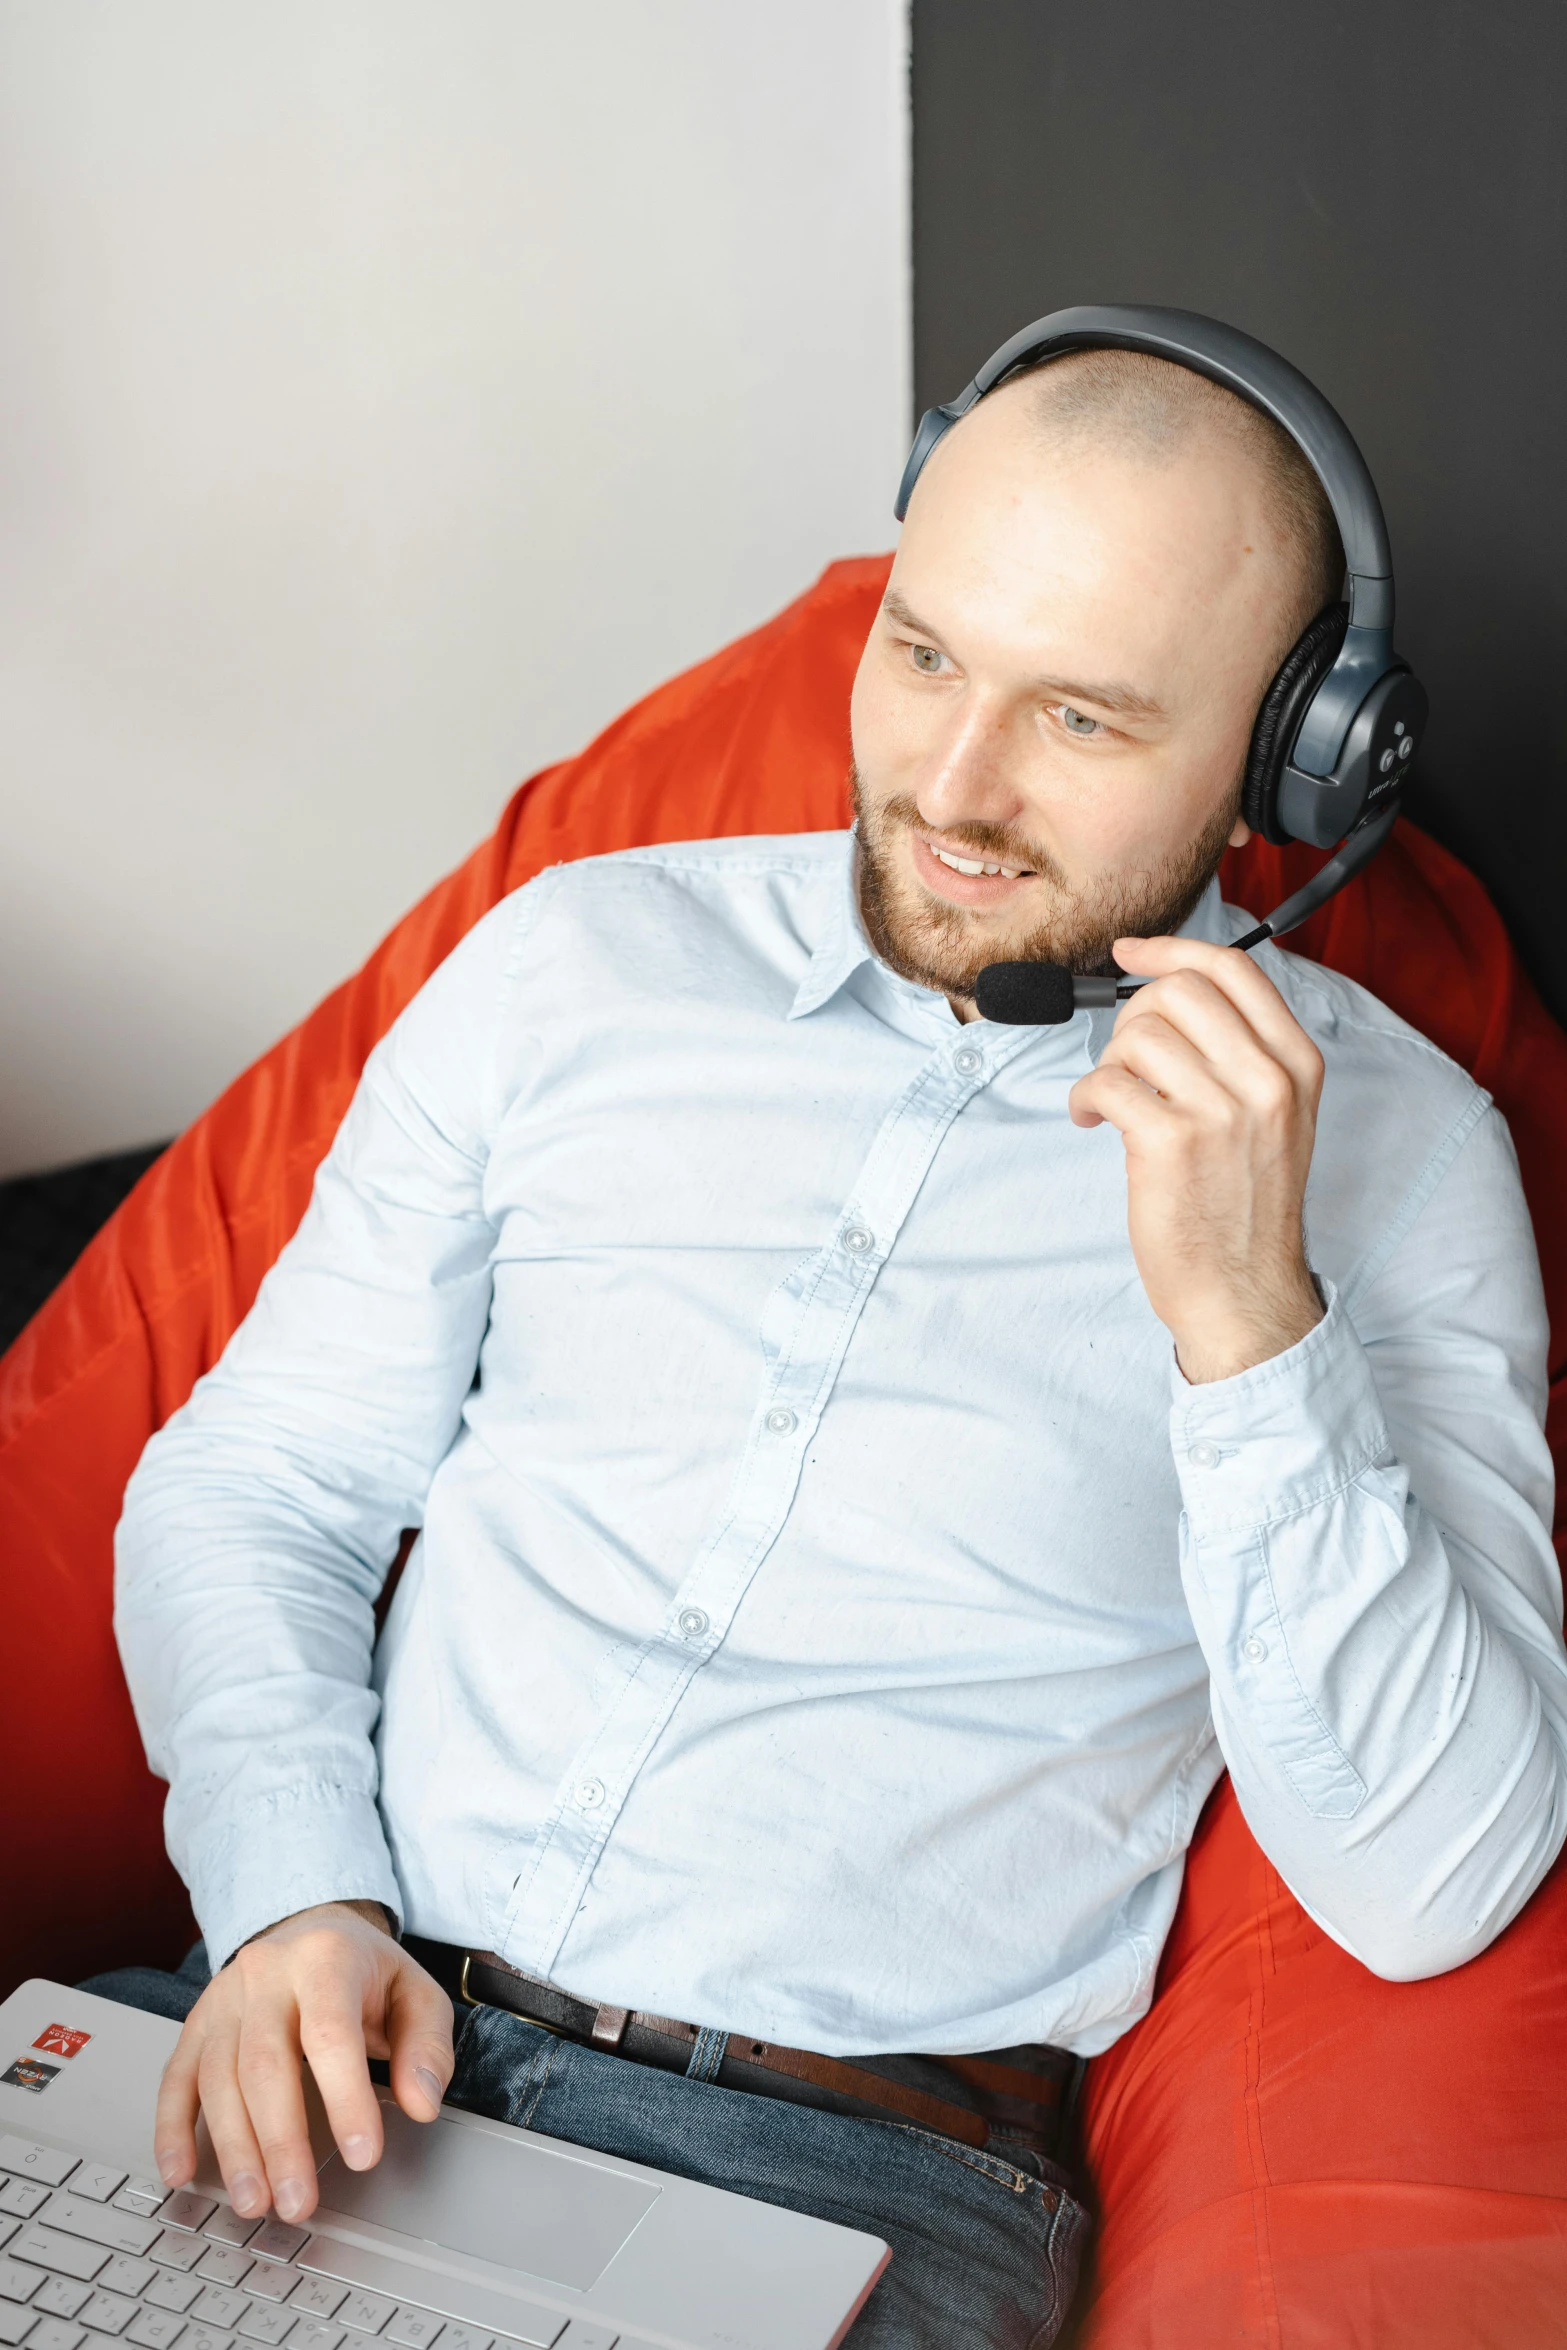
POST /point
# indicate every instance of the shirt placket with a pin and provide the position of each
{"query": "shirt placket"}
(806, 1330)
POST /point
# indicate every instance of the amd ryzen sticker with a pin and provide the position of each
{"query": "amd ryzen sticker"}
(60, 2040)
(28, 2073)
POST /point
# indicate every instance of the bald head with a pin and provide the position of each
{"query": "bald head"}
(1103, 564)
(1149, 409)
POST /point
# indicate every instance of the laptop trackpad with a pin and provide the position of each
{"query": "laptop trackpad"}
(498, 2198)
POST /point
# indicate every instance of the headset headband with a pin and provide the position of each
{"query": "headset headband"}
(1258, 375)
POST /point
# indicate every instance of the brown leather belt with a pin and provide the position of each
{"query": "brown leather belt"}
(1024, 2102)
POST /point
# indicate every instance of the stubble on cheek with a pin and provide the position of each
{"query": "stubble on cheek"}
(945, 947)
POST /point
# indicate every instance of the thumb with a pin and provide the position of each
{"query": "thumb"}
(419, 2040)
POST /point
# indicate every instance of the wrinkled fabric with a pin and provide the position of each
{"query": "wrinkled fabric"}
(1288, 2152)
(801, 1632)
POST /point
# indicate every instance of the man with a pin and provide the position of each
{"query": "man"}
(875, 1469)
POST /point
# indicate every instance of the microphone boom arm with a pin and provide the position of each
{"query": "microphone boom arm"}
(1037, 995)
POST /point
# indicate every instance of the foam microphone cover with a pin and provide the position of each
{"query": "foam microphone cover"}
(1025, 995)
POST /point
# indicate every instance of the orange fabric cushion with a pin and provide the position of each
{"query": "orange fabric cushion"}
(1287, 2151)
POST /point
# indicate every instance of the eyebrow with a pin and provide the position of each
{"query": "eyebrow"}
(1125, 700)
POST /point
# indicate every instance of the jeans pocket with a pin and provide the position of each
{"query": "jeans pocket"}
(1027, 2231)
(1005, 2175)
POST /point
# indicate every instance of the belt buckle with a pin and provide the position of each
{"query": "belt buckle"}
(607, 2031)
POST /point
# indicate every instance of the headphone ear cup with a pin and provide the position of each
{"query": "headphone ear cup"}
(1284, 705)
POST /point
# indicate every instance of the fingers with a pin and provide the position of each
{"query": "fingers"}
(253, 2083)
(202, 2072)
(419, 2036)
(1113, 1096)
(1195, 982)
(327, 1988)
(321, 1987)
(339, 1985)
(234, 2141)
(1221, 1079)
(174, 2124)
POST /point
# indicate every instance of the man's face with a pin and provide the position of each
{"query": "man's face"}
(1061, 683)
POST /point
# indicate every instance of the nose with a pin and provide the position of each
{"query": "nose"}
(968, 778)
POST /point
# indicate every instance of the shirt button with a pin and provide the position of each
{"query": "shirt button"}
(1204, 1455)
(590, 1794)
(967, 1062)
(1254, 1648)
(692, 1623)
(781, 1421)
(858, 1241)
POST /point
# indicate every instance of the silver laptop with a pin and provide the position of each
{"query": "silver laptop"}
(468, 2235)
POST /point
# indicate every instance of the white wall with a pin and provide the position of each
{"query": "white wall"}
(392, 390)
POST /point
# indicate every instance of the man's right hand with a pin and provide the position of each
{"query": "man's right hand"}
(329, 1985)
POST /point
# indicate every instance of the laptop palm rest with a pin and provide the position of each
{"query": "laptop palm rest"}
(558, 2216)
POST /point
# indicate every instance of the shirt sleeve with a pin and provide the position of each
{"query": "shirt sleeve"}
(1366, 1554)
(261, 1521)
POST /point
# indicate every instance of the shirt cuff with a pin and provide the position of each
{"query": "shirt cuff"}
(290, 1852)
(1282, 1437)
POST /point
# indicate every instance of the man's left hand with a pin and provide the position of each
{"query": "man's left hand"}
(1214, 1086)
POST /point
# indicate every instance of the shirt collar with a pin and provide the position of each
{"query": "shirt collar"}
(843, 945)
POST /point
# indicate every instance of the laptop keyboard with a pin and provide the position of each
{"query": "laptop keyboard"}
(93, 2259)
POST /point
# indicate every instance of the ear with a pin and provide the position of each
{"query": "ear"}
(1240, 833)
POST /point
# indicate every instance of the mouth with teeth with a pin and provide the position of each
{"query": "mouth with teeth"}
(964, 879)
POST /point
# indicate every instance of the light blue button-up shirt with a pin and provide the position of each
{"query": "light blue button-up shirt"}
(832, 1606)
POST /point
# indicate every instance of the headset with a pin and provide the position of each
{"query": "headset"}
(1339, 726)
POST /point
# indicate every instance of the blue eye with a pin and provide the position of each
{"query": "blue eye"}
(1075, 722)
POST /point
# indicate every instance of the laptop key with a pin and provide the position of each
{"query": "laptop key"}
(155, 2329)
(203, 2337)
(53, 2333)
(458, 2337)
(226, 2226)
(367, 2313)
(318, 2297)
(276, 2240)
(23, 2197)
(413, 2329)
(109, 2313)
(271, 2280)
(216, 2307)
(169, 2291)
(67, 2254)
(124, 2275)
(263, 2321)
(140, 2194)
(222, 2265)
(173, 2251)
(97, 2181)
(60, 2297)
(16, 2282)
(579, 2336)
(35, 2162)
(313, 2333)
(185, 2210)
(14, 2322)
(121, 2231)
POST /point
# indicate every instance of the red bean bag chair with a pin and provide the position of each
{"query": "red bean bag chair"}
(1286, 2152)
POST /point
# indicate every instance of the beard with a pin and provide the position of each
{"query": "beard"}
(946, 947)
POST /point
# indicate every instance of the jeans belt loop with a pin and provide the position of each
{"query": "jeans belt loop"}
(707, 2054)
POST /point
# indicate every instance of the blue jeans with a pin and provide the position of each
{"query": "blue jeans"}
(984, 2253)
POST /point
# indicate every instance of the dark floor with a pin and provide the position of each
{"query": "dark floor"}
(47, 1220)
